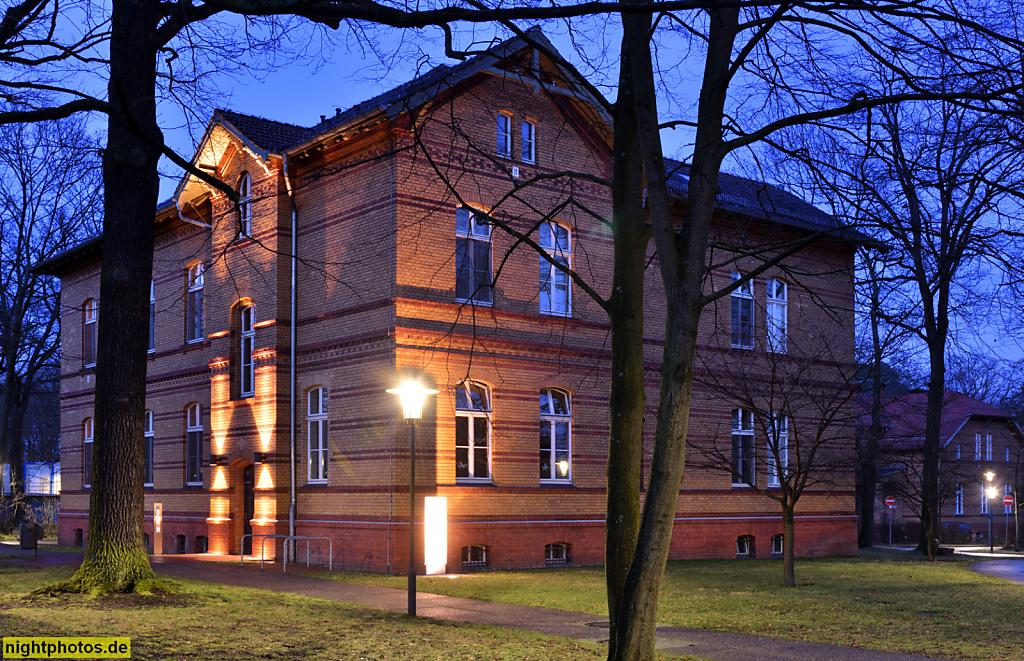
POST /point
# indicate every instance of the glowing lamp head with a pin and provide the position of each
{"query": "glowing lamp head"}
(991, 492)
(412, 395)
(563, 468)
(989, 476)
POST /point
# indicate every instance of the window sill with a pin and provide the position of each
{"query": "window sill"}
(312, 484)
(148, 485)
(473, 482)
(470, 301)
(745, 347)
(564, 484)
(193, 485)
(742, 486)
(558, 315)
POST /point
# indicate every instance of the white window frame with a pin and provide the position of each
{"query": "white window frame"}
(557, 553)
(152, 316)
(741, 297)
(245, 204)
(194, 433)
(88, 431)
(745, 547)
(743, 433)
(984, 499)
(196, 279)
(482, 551)
(782, 444)
(988, 447)
(90, 337)
(778, 545)
(958, 500)
(471, 415)
(148, 437)
(550, 420)
(528, 145)
(504, 135)
(246, 342)
(777, 314)
(551, 277)
(317, 423)
(977, 447)
(472, 229)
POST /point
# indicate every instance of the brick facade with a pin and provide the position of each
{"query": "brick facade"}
(375, 201)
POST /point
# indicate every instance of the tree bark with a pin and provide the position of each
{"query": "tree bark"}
(788, 544)
(626, 321)
(681, 260)
(115, 556)
(930, 500)
(869, 452)
(16, 447)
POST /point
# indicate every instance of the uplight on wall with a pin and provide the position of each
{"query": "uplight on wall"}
(435, 534)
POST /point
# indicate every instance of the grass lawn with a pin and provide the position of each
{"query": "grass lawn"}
(204, 621)
(899, 604)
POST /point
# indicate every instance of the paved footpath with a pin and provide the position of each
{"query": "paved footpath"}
(713, 645)
(1009, 569)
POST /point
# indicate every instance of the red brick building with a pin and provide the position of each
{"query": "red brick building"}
(397, 272)
(977, 439)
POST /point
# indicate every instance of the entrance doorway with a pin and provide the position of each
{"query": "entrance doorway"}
(249, 498)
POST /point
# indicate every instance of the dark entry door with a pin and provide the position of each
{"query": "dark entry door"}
(248, 478)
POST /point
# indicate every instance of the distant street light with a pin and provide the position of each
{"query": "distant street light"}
(990, 493)
(412, 395)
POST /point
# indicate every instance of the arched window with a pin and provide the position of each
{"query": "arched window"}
(555, 435)
(193, 445)
(555, 291)
(247, 337)
(472, 257)
(742, 447)
(87, 436)
(472, 432)
(556, 553)
(744, 546)
(90, 315)
(245, 204)
(778, 546)
(194, 302)
(147, 447)
(742, 313)
(776, 314)
(316, 433)
(475, 556)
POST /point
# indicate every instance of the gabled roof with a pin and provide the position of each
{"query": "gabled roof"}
(904, 415)
(761, 200)
(267, 134)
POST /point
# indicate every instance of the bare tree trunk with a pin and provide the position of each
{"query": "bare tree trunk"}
(626, 320)
(788, 544)
(16, 447)
(682, 262)
(869, 451)
(115, 556)
(930, 501)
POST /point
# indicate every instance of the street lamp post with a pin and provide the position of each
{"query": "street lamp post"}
(412, 395)
(990, 493)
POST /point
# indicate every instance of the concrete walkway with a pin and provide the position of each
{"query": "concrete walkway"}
(1009, 569)
(713, 645)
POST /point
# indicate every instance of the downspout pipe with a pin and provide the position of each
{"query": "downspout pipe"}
(292, 356)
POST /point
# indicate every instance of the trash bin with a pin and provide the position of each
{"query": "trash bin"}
(30, 533)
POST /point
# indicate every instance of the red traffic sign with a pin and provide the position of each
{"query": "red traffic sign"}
(890, 501)
(1008, 500)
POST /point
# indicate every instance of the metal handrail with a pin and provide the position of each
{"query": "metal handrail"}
(241, 556)
(330, 557)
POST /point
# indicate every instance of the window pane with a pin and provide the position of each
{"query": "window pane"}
(461, 462)
(560, 401)
(545, 285)
(562, 435)
(461, 401)
(545, 404)
(480, 468)
(545, 435)
(462, 220)
(545, 239)
(480, 432)
(480, 399)
(461, 432)
(463, 269)
(482, 268)
(148, 450)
